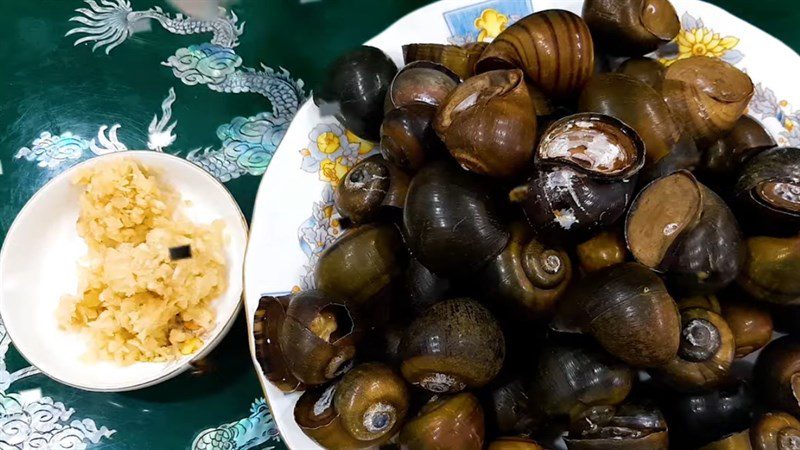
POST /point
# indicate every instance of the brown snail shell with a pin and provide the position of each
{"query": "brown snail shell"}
(770, 269)
(736, 441)
(775, 431)
(514, 443)
(508, 407)
(453, 345)
(421, 82)
(586, 170)
(605, 249)
(267, 326)
(709, 94)
(572, 376)
(554, 48)
(449, 422)
(363, 265)
(488, 123)
(636, 104)
(369, 189)
(768, 192)
(725, 157)
(527, 278)
(423, 287)
(708, 302)
(705, 354)
(318, 337)
(628, 310)
(460, 59)
(452, 220)
(678, 226)
(777, 374)
(750, 323)
(631, 27)
(364, 409)
(624, 427)
(647, 70)
(408, 139)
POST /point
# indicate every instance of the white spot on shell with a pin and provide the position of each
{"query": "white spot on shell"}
(561, 180)
(597, 150)
(324, 401)
(670, 228)
(378, 417)
(440, 383)
(788, 192)
(565, 218)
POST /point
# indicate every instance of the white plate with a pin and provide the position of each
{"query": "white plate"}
(38, 265)
(291, 220)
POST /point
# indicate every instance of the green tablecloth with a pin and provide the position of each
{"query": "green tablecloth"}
(197, 88)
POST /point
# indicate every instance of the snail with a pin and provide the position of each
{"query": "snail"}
(267, 325)
(775, 431)
(631, 27)
(554, 48)
(527, 278)
(408, 139)
(318, 337)
(678, 226)
(421, 82)
(452, 221)
(770, 269)
(508, 407)
(355, 88)
(750, 323)
(488, 123)
(586, 170)
(776, 374)
(620, 427)
(725, 157)
(605, 249)
(371, 188)
(364, 409)
(448, 422)
(455, 344)
(625, 307)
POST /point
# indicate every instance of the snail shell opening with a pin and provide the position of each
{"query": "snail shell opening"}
(379, 417)
(781, 195)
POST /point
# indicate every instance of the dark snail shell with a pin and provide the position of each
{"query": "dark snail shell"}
(708, 302)
(605, 249)
(514, 443)
(372, 402)
(363, 266)
(527, 278)
(750, 323)
(725, 157)
(571, 377)
(705, 354)
(777, 374)
(736, 441)
(355, 88)
(267, 326)
(364, 409)
(708, 94)
(508, 407)
(371, 188)
(452, 221)
(625, 427)
(459, 59)
(631, 27)
(423, 287)
(488, 123)
(700, 418)
(628, 310)
(449, 422)
(455, 344)
(318, 337)
(768, 191)
(408, 139)
(554, 48)
(421, 82)
(586, 171)
(775, 431)
(770, 269)
(678, 226)
(638, 105)
(647, 70)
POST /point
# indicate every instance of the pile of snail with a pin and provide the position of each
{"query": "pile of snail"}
(561, 243)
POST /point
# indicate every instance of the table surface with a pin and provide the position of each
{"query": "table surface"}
(62, 103)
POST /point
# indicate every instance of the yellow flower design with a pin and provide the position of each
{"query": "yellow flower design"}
(328, 142)
(702, 42)
(491, 23)
(332, 171)
(364, 147)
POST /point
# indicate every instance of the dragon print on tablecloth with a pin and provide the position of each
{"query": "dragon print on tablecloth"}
(257, 429)
(247, 143)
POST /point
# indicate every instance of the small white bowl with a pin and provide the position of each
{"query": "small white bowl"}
(38, 264)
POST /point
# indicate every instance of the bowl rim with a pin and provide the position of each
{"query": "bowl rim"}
(179, 367)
